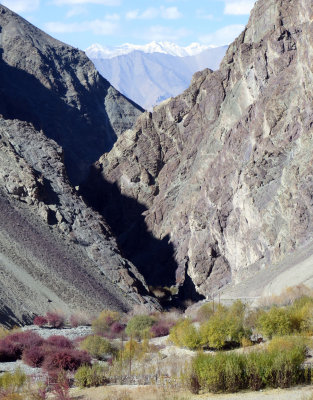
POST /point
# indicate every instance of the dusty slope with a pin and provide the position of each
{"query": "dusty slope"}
(224, 171)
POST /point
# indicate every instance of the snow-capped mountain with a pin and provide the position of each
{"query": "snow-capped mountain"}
(149, 77)
(98, 51)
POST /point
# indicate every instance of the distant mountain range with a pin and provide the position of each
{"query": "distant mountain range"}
(98, 51)
(152, 73)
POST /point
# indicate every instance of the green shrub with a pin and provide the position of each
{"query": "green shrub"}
(185, 334)
(224, 326)
(139, 326)
(91, 376)
(13, 380)
(277, 321)
(98, 347)
(277, 366)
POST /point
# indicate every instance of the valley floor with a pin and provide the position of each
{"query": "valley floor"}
(153, 393)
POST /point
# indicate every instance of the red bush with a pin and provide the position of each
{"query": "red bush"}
(66, 359)
(59, 341)
(117, 328)
(12, 346)
(40, 321)
(8, 351)
(34, 357)
(161, 328)
(56, 320)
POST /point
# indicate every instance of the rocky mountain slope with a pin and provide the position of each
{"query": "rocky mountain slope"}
(150, 78)
(56, 115)
(57, 89)
(222, 175)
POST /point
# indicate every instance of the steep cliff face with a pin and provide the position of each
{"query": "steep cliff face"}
(55, 252)
(57, 89)
(224, 171)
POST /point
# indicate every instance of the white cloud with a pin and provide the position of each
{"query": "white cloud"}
(152, 13)
(76, 2)
(21, 5)
(201, 14)
(74, 11)
(222, 36)
(170, 13)
(238, 7)
(97, 27)
(160, 33)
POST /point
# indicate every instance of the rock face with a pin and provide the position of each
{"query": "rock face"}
(57, 89)
(224, 171)
(56, 115)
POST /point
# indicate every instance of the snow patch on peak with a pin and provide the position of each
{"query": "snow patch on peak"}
(97, 51)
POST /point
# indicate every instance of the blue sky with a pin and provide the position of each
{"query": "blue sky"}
(81, 23)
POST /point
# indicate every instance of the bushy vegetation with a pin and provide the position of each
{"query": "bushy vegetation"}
(88, 376)
(276, 363)
(66, 359)
(185, 334)
(98, 347)
(108, 324)
(225, 326)
(139, 326)
(276, 366)
(295, 318)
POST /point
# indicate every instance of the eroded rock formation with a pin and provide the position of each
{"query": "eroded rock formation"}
(224, 171)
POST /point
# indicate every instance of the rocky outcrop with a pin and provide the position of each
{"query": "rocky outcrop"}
(57, 89)
(224, 171)
(56, 116)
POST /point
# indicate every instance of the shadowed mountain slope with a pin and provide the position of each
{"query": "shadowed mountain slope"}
(57, 89)
(56, 116)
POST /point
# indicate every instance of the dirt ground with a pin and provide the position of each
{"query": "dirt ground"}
(153, 393)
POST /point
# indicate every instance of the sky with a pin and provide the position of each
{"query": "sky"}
(111, 23)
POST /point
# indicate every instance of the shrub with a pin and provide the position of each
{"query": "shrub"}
(8, 351)
(105, 320)
(117, 328)
(139, 326)
(61, 388)
(79, 319)
(13, 345)
(277, 366)
(276, 321)
(55, 319)
(98, 347)
(87, 376)
(205, 312)
(66, 359)
(161, 328)
(40, 321)
(60, 342)
(13, 380)
(185, 334)
(134, 350)
(34, 357)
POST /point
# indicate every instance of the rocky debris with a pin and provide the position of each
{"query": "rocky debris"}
(224, 171)
(57, 89)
